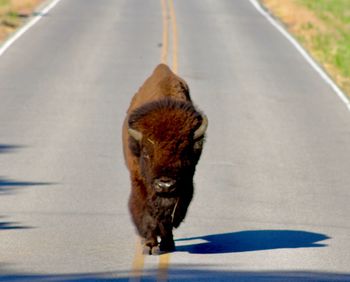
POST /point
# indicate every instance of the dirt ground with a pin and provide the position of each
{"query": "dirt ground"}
(306, 26)
(13, 13)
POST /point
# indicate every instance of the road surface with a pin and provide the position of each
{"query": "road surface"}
(272, 186)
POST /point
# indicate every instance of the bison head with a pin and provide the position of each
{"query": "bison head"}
(166, 137)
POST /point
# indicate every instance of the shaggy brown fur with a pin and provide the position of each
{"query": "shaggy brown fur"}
(162, 163)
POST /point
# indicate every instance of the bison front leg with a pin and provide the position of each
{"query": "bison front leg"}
(150, 247)
(149, 232)
(166, 235)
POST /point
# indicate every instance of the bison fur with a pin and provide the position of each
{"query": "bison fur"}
(163, 136)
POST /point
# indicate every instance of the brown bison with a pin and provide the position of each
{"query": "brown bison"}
(163, 136)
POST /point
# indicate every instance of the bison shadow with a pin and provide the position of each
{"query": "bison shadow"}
(12, 226)
(179, 273)
(8, 186)
(252, 240)
(7, 148)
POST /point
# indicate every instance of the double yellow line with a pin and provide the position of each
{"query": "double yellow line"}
(169, 24)
(139, 263)
(169, 27)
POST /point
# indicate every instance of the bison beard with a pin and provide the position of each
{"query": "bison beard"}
(162, 137)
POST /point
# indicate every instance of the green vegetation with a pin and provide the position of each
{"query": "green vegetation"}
(9, 18)
(4, 2)
(330, 41)
(13, 13)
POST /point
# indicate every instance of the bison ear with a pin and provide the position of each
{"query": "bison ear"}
(201, 130)
(198, 145)
(137, 135)
(134, 141)
(134, 147)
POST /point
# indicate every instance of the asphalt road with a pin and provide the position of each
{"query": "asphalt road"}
(272, 187)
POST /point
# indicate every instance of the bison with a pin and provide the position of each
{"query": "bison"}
(163, 136)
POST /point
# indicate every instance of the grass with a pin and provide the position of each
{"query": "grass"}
(13, 13)
(334, 45)
(323, 27)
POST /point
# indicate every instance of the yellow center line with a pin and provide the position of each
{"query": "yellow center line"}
(168, 12)
(175, 37)
(165, 37)
(163, 266)
(138, 263)
(164, 260)
(139, 258)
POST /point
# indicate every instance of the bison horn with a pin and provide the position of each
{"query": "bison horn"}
(137, 135)
(201, 130)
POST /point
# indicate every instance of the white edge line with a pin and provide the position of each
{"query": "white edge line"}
(40, 14)
(302, 51)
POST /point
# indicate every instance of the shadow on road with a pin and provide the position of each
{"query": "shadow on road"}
(184, 273)
(253, 240)
(5, 148)
(8, 186)
(11, 226)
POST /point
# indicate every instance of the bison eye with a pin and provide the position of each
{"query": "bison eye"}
(145, 154)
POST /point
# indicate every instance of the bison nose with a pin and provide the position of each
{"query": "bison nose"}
(164, 184)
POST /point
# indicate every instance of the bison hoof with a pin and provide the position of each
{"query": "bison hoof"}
(167, 247)
(155, 250)
(146, 250)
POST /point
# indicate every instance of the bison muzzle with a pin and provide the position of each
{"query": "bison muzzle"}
(163, 136)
